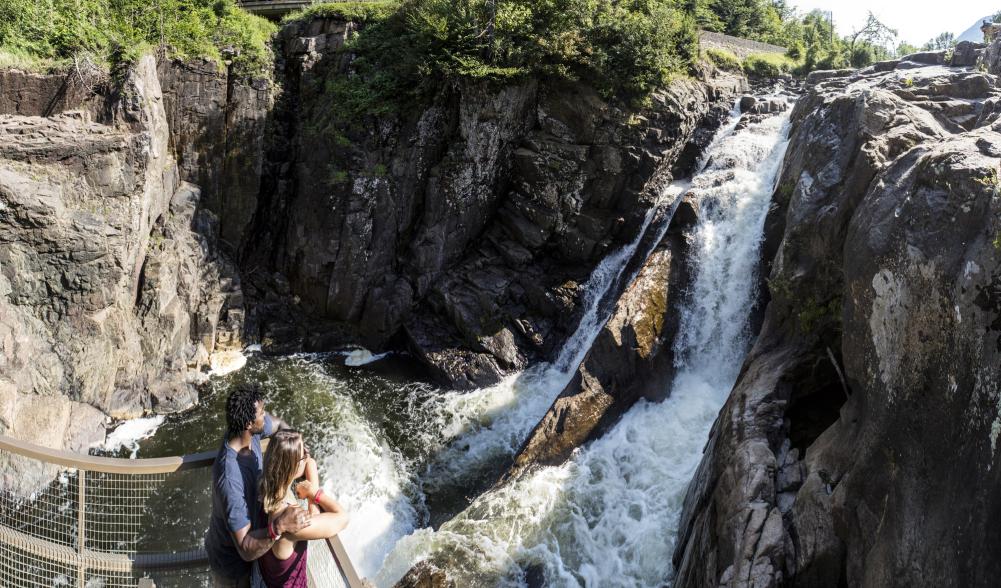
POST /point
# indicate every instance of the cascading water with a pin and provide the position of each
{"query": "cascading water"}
(461, 434)
(605, 518)
(609, 516)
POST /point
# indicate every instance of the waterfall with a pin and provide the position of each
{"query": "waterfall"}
(609, 516)
(464, 434)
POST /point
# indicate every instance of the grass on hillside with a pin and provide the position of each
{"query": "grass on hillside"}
(769, 65)
(723, 59)
(357, 12)
(45, 34)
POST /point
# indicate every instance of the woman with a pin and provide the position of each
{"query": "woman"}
(286, 460)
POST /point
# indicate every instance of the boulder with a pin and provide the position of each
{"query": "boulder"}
(926, 57)
(966, 54)
(425, 574)
(631, 358)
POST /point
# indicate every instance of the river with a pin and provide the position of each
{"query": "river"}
(390, 444)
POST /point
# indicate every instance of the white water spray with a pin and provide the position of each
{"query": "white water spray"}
(609, 517)
(467, 430)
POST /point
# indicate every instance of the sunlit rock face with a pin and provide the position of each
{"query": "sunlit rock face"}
(111, 298)
(858, 447)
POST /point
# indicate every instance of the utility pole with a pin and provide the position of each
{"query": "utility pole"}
(832, 28)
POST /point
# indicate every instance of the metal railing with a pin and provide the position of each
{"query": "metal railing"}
(68, 519)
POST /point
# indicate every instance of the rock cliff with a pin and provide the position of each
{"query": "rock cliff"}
(110, 297)
(461, 228)
(836, 460)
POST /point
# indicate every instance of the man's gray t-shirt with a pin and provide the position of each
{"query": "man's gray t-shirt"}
(235, 480)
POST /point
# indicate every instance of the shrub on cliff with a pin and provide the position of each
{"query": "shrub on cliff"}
(623, 48)
(57, 30)
(768, 65)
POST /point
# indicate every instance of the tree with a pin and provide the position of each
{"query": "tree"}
(943, 41)
(864, 44)
(873, 32)
(905, 48)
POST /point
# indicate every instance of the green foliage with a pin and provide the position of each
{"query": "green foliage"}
(943, 41)
(723, 59)
(111, 30)
(624, 48)
(814, 314)
(357, 12)
(768, 65)
(905, 48)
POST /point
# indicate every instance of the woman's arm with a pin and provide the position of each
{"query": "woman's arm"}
(321, 526)
(313, 477)
(325, 524)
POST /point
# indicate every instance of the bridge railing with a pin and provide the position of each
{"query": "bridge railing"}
(68, 519)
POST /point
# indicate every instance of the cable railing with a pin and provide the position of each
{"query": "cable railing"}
(68, 519)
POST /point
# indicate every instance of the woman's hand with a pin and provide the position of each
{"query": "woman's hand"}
(306, 489)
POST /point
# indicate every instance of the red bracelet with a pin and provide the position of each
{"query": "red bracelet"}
(271, 531)
(316, 497)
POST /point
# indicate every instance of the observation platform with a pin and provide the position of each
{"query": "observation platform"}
(68, 519)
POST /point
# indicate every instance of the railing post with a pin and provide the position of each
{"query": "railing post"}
(344, 565)
(81, 510)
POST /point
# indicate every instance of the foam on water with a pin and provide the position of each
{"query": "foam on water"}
(460, 433)
(226, 362)
(129, 433)
(609, 516)
(479, 427)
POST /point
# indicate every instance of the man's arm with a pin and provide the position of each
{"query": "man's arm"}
(253, 544)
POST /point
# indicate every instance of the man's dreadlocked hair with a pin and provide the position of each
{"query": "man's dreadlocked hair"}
(241, 408)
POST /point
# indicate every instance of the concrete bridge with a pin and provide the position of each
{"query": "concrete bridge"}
(273, 8)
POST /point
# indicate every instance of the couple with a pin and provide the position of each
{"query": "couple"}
(255, 515)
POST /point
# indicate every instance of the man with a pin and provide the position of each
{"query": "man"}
(237, 536)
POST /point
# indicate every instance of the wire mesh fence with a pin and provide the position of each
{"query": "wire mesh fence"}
(93, 522)
(62, 524)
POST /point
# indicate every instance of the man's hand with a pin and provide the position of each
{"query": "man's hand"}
(292, 520)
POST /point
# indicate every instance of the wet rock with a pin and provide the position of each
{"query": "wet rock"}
(631, 357)
(747, 103)
(425, 574)
(878, 357)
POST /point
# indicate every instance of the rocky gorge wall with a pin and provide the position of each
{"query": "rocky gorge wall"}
(113, 284)
(858, 446)
(181, 210)
(461, 228)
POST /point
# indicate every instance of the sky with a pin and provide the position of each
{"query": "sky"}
(916, 21)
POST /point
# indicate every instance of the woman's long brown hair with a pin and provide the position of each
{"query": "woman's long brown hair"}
(285, 451)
